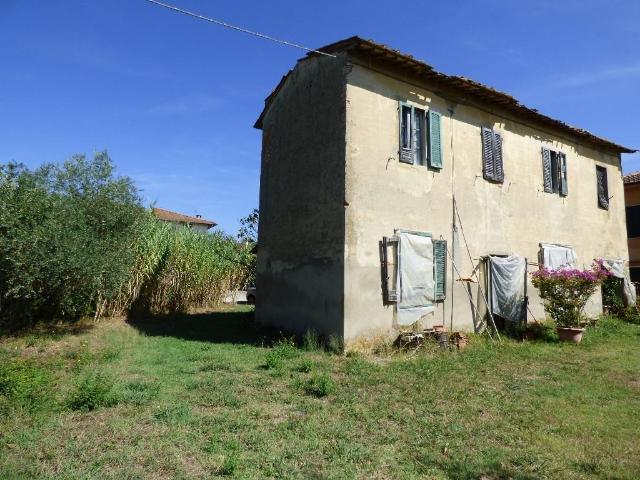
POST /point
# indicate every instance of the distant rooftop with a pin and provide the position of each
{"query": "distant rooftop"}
(170, 216)
(633, 177)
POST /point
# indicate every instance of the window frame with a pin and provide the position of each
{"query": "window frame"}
(490, 153)
(409, 154)
(604, 205)
(390, 288)
(559, 180)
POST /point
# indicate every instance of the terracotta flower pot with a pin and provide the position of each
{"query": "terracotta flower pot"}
(570, 334)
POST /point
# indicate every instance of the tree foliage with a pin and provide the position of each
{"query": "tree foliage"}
(248, 231)
(65, 236)
(75, 241)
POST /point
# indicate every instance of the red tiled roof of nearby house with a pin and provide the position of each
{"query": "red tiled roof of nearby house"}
(632, 177)
(170, 216)
(451, 86)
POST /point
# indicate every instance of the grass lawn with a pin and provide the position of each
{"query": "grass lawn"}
(202, 396)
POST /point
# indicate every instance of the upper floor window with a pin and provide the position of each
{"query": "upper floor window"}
(420, 142)
(492, 167)
(554, 172)
(603, 187)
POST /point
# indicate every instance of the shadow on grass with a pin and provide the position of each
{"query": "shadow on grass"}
(236, 327)
(52, 331)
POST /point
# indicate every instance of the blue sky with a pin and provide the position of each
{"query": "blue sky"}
(174, 99)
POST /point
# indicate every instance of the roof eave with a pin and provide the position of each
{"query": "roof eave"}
(477, 91)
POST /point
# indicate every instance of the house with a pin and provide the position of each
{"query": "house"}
(632, 209)
(196, 223)
(383, 180)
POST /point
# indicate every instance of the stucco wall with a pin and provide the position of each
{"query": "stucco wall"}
(300, 264)
(384, 194)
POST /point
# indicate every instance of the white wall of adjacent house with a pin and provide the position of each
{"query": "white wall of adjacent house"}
(512, 216)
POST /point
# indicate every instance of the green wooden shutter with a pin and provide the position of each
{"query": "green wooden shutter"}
(406, 133)
(440, 268)
(546, 170)
(487, 154)
(498, 168)
(435, 139)
(419, 136)
(562, 165)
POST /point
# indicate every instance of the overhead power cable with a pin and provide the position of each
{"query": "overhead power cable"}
(234, 27)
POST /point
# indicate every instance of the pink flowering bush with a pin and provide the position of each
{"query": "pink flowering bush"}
(566, 292)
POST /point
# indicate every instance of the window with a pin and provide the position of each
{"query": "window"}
(492, 166)
(391, 287)
(554, 172)
(420, 132)
(633, 221)
(603, 187)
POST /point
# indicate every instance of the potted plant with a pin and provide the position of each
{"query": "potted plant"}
(565, 293)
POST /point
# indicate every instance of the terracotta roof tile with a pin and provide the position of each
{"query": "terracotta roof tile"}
(632, 177)
(170, 216)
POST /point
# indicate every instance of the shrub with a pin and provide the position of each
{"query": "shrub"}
(566, 292)
(274, 360)
(631, 314)
(93, 391)
(64, 237)
(320, 385)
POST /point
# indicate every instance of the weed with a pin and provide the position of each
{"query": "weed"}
(286, 347)
(311, 341)
(24, 384)
(335, 344)
(139, 392)
(306, 366)
(229, 466)
(319, 385)
(110, 354)
(212, 366)
(273, 360)
(173, 414)
(283, 349)
(94, 390)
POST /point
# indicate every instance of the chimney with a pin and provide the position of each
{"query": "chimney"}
(198, 216)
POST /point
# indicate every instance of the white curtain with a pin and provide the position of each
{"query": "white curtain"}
(557, 257)
(507, 286)
(616, 267)
(415, 278)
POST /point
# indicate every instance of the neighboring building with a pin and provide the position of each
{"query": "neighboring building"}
(196, 223)
(632, 207)
(360, 148)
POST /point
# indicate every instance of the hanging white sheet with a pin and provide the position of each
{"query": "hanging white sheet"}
(557, 257)
(507, 286)
(616, 267)
(415, 277)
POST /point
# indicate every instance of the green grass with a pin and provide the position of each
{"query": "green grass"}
(195, 397)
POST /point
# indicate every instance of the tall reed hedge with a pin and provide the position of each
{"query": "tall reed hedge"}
(177, 269)
(76, 241)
